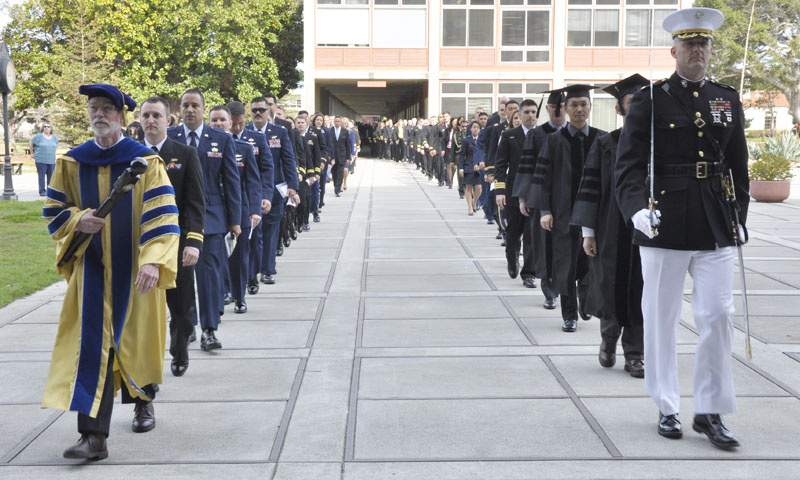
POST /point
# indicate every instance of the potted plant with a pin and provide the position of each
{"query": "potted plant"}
(771, 168)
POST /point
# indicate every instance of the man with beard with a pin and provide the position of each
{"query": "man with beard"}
(112, 327)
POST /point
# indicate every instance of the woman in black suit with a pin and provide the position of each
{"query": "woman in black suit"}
(468, 166)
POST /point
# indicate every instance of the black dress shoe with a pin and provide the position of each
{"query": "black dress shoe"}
(529, 282)
(144, 417)
(569, 326)
(241, 307)
(306, 227)
(179, 367)
(549, 304)
(91, 447)
(193, 336)
(316, 217)
(460, 196)
(513, 267)
(228, 299)
(287, 241)
(608, 354)
(711, 425)
(252, 286)
(669, 425)
(338, 194)
(489, 221)
(503, 243)
(279, 252)
(499, 236)
(321, 204)
(635, 366)
(267, 280)
(209, 340)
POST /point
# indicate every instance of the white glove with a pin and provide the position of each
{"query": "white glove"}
(641, 221)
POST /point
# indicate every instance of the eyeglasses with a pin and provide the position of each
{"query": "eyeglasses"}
(258, 110)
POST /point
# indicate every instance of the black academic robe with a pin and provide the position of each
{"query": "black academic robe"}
(615, 274)
(556, 180)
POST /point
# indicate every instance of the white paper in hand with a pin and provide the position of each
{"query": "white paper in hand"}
(283, 189)
(230, 243)
(252, 227)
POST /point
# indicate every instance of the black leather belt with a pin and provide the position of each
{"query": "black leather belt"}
(696, 170)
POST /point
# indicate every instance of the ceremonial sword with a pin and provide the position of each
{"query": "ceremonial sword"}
(651, 167)
(730, 193)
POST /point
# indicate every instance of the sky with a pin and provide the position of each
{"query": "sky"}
(4, 11)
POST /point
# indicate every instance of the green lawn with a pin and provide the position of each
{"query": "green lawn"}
(27, 254)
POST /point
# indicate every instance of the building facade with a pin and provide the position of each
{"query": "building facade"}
(457, 55)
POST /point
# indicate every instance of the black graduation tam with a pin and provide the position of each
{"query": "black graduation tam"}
(556, 97)
(626, 86)
(572, 91)
(119, 99)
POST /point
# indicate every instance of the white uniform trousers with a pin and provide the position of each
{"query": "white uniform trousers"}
(664, 272)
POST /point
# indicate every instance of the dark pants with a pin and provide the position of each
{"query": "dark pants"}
(313, 196)
(45, 173)
(323, 180)
(256, 251)
(238, 265)
(181, 303)
(632, 336)
(518, 234)
(270, 229)
(338, 177)
(303, 210)
(209, 280)
(102, 422)
(569, 303)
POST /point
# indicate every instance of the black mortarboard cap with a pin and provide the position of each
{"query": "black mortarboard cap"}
(572, 91)
(626, 86)
(110, 92)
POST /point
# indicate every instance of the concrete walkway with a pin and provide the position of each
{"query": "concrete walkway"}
(394, 346)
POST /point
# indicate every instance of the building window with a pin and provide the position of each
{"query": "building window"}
(331, 34)
(468, 23)
(596, 24)
(643, 20)
(770, 121)
(461, 98)
(399, 27)
(525, 35)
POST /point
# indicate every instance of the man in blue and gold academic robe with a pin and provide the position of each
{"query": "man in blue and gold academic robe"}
(112, 328)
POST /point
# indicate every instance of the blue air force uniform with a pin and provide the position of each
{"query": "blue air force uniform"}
(217, 156)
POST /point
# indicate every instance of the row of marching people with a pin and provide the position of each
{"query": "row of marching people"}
(206, 206)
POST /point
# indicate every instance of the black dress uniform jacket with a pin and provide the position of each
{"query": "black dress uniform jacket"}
(509, 153)
(186, 176)
(689, 117)
(615, 274)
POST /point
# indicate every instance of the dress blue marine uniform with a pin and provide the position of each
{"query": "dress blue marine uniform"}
(285, 170)
(218, 159)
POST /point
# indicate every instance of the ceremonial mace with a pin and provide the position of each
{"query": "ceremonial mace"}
(122, 186)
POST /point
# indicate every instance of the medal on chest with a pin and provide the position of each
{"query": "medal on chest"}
(721, 111)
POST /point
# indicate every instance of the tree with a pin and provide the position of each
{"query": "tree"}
(229, 49)
(773, 57)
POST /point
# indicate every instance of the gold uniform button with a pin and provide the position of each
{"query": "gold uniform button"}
(699, 134)
(724, 124)
(671, 125)
(663, 192)
(695, 94)
(701, 154)
(698, 114)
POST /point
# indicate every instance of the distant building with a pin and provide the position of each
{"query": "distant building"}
(400, 58)
(767, 111)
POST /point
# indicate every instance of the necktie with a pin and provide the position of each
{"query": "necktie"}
(155, 149)
(193, 139)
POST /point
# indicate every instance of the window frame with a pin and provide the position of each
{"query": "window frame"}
(650, 7)
(466, 95)
(525, 8)
(593, 7)
(468, 6)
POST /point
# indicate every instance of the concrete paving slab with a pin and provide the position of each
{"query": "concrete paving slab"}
(303, 269)
(442, 332)
(26, 337)
(773, 266)
(17, 422)
(432, 267)
(438, 307)
(264, 306)
(769, 305)
(774, 329)
(315, 471)
(294, 284)
(255, 379)
(260, 334)
(426, 283)
(401, 252)
(588, 378)
(23, 382)
(47, 313)
(456, 377)
(180, 471)
(214, 438)
(395, 232)
(547, 331)
(437, 242)
(583, 469)
(472, 429)
(765, 427)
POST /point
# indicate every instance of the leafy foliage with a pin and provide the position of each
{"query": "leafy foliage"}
(774, 158)
(229, 49)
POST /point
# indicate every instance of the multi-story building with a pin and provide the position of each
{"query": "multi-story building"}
(422, 57)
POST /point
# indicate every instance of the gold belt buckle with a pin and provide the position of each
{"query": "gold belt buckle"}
(702, 170)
